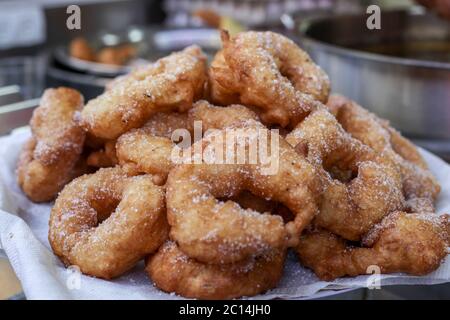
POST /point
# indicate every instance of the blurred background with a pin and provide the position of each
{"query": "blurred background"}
(401, 70)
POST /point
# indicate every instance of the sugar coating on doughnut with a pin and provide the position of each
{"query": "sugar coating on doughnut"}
(105, 222)
(401, 242)
(172, 83)
(47, 161)
(418, 182)
(173, 271)
(215, 231)
(360, 186)
(270, 72)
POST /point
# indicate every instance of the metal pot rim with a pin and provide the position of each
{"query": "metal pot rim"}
(348, 52)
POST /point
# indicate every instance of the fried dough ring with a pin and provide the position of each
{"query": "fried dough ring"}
(149, 149)
(411, 243)
(162, 125)
(419, 185)
(48, 159)
(214, 117)
(213, 231)
(172, 271)
(268, 71)
(84, 232)
(172, 83)
(142, 152)
(371, 186)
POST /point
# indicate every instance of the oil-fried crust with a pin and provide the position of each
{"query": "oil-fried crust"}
(106, 222)
(48, 159)
(411, 243)
(149, 149)
(214, 231)
(268, 71)
(172, 83)
(172, 271)
(418, 181)
(361, 187)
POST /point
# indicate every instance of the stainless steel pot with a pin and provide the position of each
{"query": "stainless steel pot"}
(408, 83)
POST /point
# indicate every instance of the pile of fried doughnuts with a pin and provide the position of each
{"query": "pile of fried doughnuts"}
(162, 167)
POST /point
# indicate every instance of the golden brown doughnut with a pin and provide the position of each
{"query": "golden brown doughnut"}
(171, 83)
(268, 71)
(411, 243)
(214, 231)
(419, 185)
(172, 271)
(106, 222)
(360, 186)
(47, 160)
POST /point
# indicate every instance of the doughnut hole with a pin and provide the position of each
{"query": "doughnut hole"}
(248, 200)
(106, 222)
